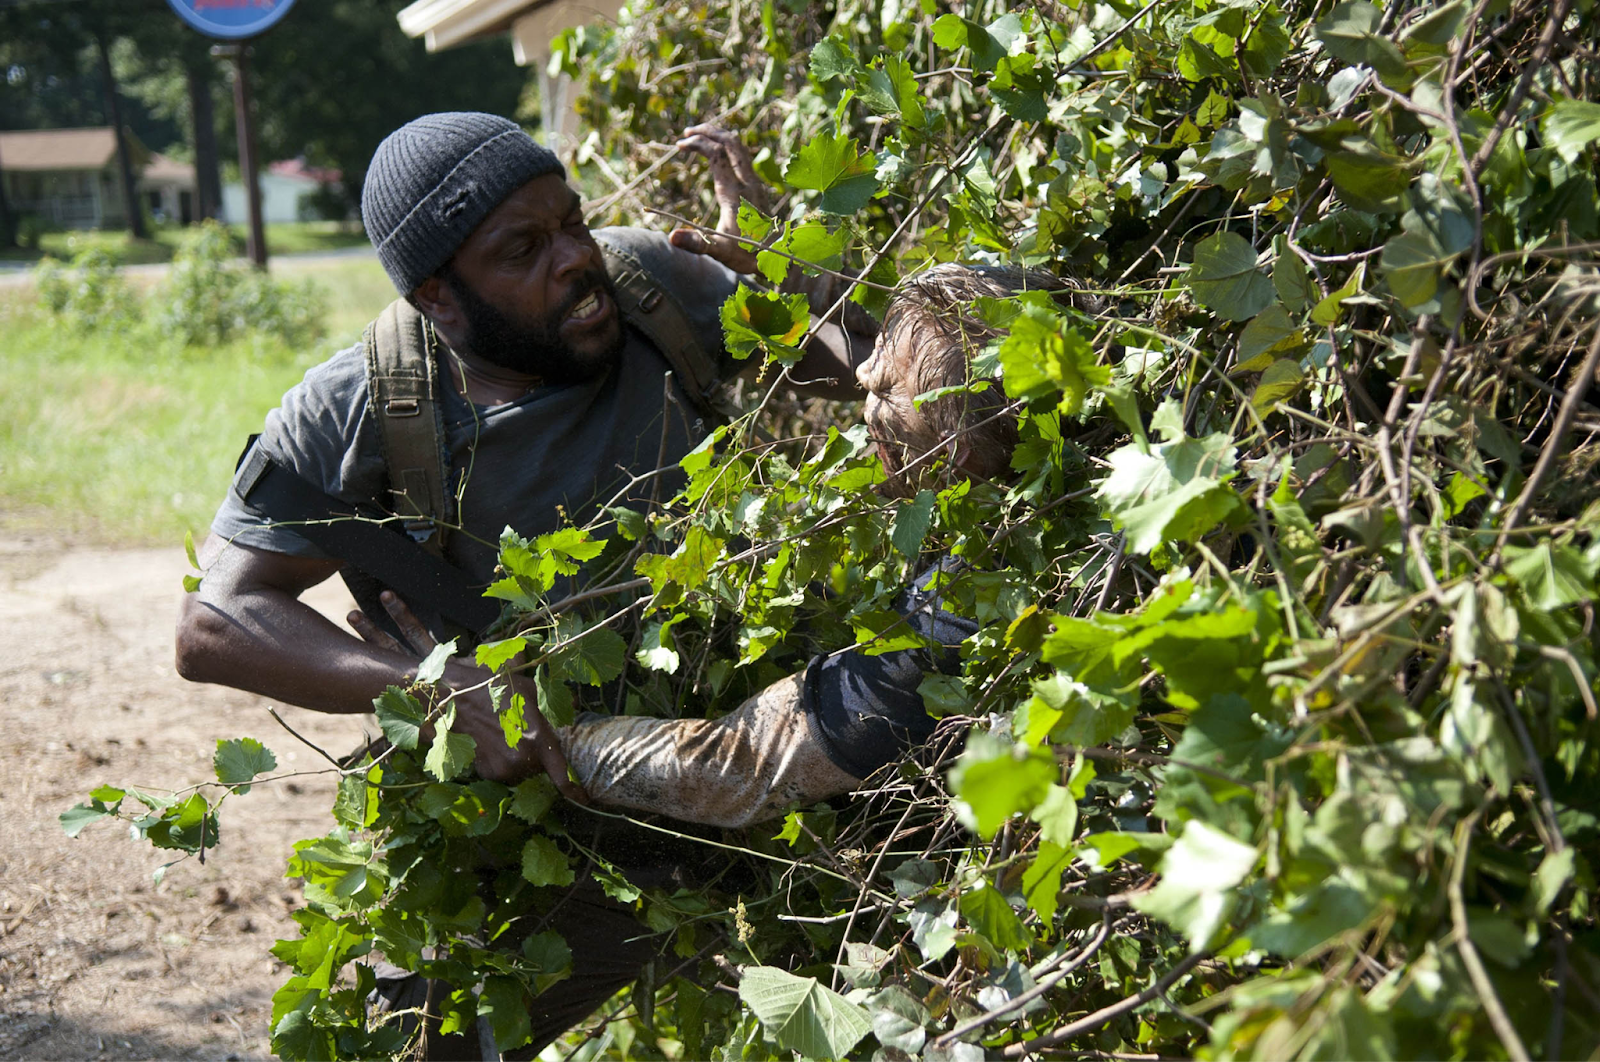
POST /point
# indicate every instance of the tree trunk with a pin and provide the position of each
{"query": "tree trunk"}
(207, 171)
(130, 190)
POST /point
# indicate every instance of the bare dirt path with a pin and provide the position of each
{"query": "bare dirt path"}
(97, 962)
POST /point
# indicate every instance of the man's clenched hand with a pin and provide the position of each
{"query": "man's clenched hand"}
(733, 178)
(539, 750)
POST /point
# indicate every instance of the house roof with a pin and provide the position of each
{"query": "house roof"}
(164, 170)
(298, 170)
(58, 149)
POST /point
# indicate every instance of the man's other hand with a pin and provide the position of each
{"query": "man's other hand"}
(733, 178)
(539, 749)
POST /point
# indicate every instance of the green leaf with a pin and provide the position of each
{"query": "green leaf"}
(1350, 32)
(1269, 335)
(400, 717)
(1326, 312)
(1199, 876)
(188, 549)
(1293, 282)
(1553, 576)
(1213, 110)
(75, 818)
(834, 166)
(655, 651)
(1555, 870)
(298, 1036)
(766, 321)
(1569, 126)
(431, 669)
(493, 655)
(555, 700)
(545, 864)
(1176, 490)
(238, 760)
(987, 912)
(593, 659)
(1366, 176)
(451, 754)
(1411, 263)
(532, 798)
(551, 956)
(911, 522)
(994, 780)
(1057, 816)
(504, 1002)
(1282, 380)
(800, 1015)
(1077, 715)
(890, 88)
(1044, 355)
(191, 583)
(831, 58)
(1224, 277)
(1440, 25)
(1041, 882)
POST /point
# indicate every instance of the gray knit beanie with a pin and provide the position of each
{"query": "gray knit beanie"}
(434, 179)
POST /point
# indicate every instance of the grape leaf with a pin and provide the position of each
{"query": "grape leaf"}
(801, 1015)
(1224, 277)
(240, 759)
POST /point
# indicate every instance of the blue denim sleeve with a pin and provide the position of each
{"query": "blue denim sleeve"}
(865, 710)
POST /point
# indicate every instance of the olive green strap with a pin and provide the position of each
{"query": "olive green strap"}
(403, 381)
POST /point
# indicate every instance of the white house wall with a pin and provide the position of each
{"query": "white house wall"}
(281, 200)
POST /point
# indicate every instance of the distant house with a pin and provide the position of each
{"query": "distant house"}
(289, 192)
(169, 189)
(67, 178)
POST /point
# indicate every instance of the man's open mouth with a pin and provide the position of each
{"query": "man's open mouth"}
(588, 309)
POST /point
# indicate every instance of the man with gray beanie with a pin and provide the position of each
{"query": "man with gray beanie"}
(549, 392)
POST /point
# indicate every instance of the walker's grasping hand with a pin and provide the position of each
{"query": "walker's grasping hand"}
(733, 178)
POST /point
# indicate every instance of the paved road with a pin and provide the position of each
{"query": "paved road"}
(16, 274)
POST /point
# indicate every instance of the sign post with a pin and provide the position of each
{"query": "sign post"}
(235, 22)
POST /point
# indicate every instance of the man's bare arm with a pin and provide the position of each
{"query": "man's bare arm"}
(246, 628)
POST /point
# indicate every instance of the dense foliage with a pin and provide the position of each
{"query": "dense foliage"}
(1279, 729)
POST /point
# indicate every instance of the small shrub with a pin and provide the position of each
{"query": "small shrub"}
(209, 297)
(90, 294)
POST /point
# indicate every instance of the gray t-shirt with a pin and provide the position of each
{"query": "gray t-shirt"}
(512, 465)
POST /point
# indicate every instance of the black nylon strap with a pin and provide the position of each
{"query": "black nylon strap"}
(380, 550)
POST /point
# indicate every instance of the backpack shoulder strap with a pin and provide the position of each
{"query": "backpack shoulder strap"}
(403, 385)
(652, 310)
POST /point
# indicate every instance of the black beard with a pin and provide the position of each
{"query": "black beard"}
(535, 348)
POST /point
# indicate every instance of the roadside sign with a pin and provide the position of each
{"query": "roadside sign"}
(231, 20)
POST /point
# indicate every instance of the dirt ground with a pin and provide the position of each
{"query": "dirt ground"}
(96, 961)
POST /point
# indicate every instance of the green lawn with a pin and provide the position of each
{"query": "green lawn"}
(129, 439)
(300, 237)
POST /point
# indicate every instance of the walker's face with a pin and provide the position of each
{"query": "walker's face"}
(890, 378)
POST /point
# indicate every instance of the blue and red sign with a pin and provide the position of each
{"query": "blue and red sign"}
(231, 20)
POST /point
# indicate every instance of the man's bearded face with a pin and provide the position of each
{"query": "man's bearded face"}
(534, 345)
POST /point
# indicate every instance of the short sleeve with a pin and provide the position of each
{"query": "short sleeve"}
(323, 432)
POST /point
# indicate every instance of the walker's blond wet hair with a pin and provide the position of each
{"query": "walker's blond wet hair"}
(930, 335)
